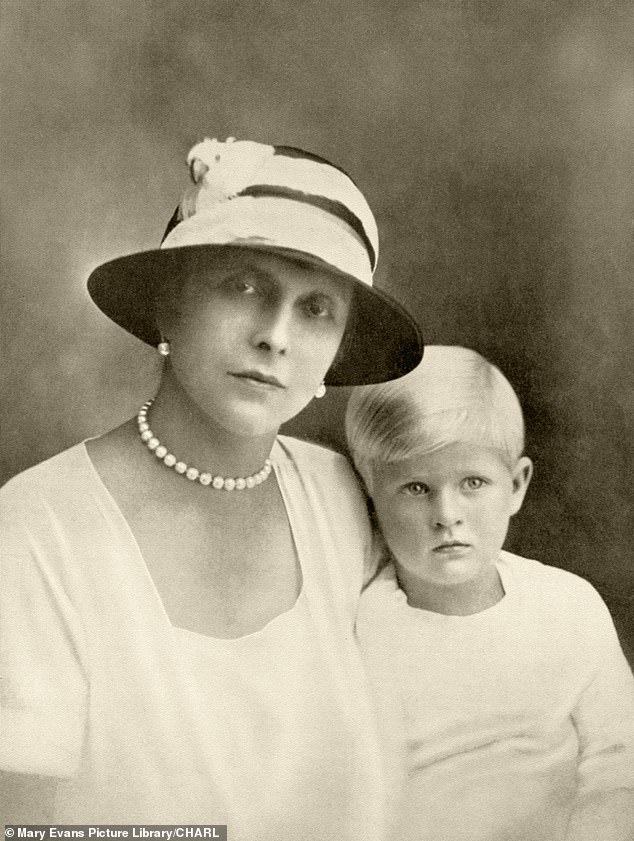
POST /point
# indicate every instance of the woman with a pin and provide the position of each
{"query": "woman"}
(179, 594)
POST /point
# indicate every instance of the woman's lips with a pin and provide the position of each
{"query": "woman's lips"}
(453, 548)
(258, 379)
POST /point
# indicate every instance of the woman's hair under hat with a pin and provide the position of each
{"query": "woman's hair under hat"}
(276, 199)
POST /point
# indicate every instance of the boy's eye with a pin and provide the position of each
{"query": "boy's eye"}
(473, 483)
(415, 489)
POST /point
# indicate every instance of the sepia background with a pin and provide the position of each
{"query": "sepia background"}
(492, 138)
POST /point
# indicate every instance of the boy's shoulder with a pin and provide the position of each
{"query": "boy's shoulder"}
(551, 586)
(537, 570)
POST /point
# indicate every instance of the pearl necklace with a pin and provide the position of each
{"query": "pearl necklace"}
(192, 473)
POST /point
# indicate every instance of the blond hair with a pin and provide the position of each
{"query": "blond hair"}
(453, 396)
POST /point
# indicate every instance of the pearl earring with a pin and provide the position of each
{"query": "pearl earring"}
(163, 348)
(321, 390)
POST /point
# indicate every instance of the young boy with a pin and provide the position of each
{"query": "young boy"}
(500, 680)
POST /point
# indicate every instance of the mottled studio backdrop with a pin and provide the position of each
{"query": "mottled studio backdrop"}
(493, 140)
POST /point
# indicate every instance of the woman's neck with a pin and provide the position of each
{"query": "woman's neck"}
(193, 437)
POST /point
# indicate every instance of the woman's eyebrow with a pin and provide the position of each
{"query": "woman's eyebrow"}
(254, 269)
(254, 272)
(332, 291)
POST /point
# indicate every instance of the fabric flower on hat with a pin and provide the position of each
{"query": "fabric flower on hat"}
(222, 170)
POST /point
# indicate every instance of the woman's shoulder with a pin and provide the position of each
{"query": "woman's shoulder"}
(322, 467)
(48, 477)
(329, 507)
(324, 478)
(308, 456)
(51, 501)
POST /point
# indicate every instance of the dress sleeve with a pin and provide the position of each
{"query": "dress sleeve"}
(42, 685)
(377, 556)
(604, 715)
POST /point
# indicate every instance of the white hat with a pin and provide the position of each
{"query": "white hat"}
(280, 199)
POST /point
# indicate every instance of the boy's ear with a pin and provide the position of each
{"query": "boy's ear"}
(522, 475)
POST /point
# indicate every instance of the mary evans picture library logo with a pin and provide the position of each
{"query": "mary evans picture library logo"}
(149, 833)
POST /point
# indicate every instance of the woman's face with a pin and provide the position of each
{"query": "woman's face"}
(254, 337)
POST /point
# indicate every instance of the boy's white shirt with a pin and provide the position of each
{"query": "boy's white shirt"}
(504, 719)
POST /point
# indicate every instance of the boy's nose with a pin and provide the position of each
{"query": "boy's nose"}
(446, 511)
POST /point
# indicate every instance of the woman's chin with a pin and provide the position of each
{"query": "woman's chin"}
(257, 419)
(250, 422)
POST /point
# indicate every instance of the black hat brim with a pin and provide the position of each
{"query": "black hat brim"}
(382, 341)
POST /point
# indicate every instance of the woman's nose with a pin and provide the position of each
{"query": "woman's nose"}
(273, 330)
(446, 510)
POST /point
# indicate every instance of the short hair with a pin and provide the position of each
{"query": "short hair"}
(453, 396)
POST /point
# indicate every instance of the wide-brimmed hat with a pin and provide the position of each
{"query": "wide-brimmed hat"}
(275, 199)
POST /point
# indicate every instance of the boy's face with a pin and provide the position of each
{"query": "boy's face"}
(445, 515)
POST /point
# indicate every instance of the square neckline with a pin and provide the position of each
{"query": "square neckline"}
(143, 567)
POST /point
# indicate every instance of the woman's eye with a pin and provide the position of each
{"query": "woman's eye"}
(415, 489)
(245, 287)
(473, 483)
(318, 308)
(242, 284)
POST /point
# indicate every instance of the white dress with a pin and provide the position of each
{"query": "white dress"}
(270, 733)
